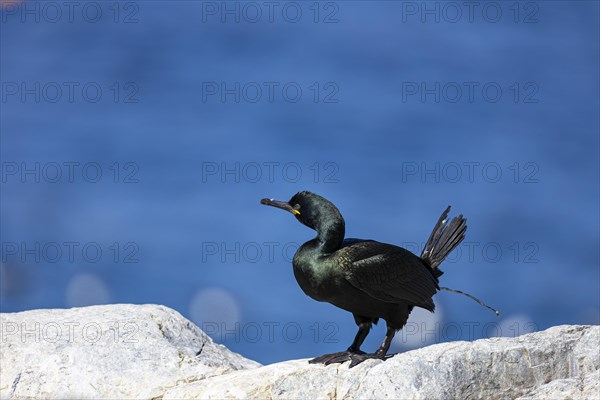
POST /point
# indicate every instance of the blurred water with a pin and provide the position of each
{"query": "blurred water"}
(365, 143)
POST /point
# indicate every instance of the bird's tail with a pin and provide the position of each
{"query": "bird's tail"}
(443, 239)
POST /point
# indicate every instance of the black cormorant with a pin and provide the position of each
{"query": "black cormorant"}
(370, 279)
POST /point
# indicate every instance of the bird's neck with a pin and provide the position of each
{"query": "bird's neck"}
(330, 235)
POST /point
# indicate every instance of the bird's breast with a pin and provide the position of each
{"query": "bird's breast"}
(316, 278)
(318, 286)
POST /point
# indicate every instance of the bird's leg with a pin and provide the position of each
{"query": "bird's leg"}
(363, 331)
(354, 349)
(379, 354)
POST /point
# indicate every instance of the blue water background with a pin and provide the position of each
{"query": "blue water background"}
(542, 212)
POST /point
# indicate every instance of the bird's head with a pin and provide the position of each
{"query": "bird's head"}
(311, 210)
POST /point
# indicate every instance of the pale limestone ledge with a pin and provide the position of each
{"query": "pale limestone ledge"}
(150, 351)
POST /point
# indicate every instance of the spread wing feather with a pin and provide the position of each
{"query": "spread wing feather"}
(387, 272)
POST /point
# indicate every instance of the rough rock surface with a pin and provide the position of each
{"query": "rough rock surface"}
(153, 352)
(113, 351)
(561, 362)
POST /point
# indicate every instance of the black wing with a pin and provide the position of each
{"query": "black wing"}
(387, 272)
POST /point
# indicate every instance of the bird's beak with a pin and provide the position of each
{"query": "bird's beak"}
(280, 204)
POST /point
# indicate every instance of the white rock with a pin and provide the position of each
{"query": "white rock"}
(113, 351)
(145, 352)
(587, 387)
(561, 362)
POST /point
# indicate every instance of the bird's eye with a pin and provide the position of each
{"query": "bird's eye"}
(297, 207)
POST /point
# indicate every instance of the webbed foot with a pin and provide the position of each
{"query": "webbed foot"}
(333, 358)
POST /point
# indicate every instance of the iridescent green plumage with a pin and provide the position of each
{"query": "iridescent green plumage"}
(372, 280)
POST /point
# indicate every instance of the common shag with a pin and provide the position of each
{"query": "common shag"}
(372, 280)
